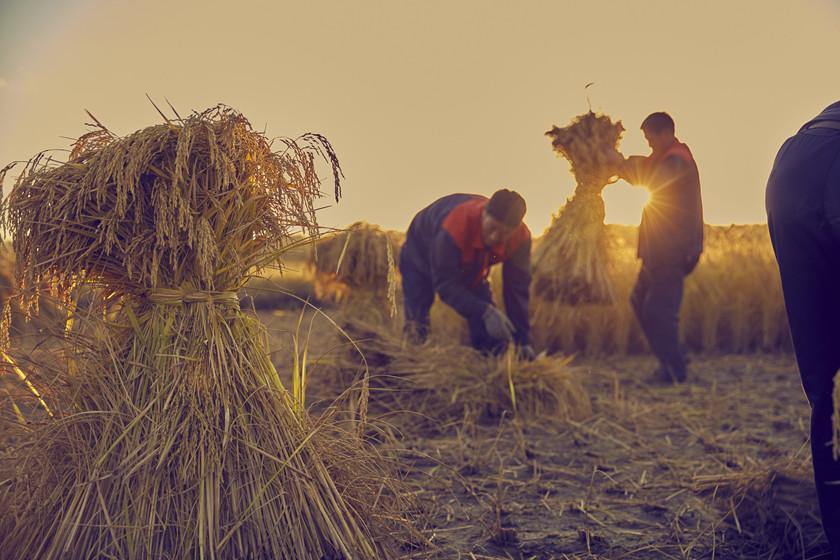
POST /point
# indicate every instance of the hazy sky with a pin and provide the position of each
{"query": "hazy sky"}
(425, 98)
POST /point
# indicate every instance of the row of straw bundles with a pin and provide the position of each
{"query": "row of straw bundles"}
(357, 260)
(448, 382)
(570, 263)
(176, 439)
(721, 311)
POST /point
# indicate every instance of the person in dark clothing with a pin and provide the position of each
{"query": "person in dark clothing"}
(670, 240)
(803, 215)
(449, 249)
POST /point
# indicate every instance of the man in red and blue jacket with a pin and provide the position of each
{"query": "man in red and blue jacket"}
(449, 249)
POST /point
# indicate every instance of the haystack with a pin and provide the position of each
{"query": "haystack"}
(356, 262)
(448, 382)
(176, 439)
(570, 263)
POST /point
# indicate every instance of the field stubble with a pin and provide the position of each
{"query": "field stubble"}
(716, 468)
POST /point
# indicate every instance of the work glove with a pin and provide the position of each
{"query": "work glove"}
(527, 352)
(497, 324)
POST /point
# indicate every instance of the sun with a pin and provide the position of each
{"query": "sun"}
(624, 203)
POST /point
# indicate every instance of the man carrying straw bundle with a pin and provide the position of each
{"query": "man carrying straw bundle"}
(449, 249)
(670, 240)
(803, 214)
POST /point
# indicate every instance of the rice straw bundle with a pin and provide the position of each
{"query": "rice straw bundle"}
(177, 438)
(357, 259)
(449, 382)
(570, 262)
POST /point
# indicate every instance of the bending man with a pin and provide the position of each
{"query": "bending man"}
(449, 249)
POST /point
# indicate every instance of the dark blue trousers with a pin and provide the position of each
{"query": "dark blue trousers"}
(418, 297)
(656, 300)
(803, 214)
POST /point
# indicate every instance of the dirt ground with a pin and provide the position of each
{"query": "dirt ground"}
(713, 468)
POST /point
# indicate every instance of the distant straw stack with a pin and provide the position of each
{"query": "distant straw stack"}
(570, 263)
(177, 439)
(357, 261)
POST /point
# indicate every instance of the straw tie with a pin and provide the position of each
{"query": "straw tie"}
(184, 296)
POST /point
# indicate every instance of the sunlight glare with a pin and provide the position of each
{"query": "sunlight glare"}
(624, 203)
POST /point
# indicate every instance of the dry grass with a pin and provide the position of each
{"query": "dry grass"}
(173, 436)
(772, 508)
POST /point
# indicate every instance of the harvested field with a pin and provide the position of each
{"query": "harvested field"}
(708, 469)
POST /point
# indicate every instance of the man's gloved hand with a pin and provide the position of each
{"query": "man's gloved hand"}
(527, 352)
(497, 324)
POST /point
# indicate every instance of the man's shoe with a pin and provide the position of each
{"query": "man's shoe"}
(667, 376)
(660, 376)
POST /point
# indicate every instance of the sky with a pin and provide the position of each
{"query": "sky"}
(426, 98)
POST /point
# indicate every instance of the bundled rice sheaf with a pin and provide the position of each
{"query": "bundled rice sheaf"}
(447, 382)
(356, 261)
(570, 262)
(174, 436)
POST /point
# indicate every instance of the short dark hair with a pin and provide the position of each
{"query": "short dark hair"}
(658, 122)
(507, 206)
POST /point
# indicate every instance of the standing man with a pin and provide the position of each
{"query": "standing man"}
(449, 249)
(803, 214)
(670, 240)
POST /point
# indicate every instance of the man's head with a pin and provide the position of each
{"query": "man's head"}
(502, 215)
(658, 129)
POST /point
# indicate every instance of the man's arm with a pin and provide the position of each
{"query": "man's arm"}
(516, 283)
(447, 280)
